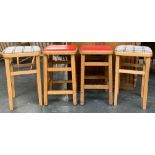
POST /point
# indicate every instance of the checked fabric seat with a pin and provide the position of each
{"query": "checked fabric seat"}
(133, 51)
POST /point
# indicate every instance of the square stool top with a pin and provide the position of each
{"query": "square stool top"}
(60, 49)
(96, 49)
(21, 51)
(133, 50)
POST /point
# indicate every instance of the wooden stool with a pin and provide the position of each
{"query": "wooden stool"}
(16, 52)
(58, 50)
(96, 50)
(133, 51)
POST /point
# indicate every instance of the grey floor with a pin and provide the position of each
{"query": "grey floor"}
(26, 100)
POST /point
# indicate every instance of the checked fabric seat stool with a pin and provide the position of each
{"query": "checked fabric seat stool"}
(85, 51)
(59, 50)
(9, 54)
(133, 51)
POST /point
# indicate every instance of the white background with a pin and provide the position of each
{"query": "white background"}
(77, 20)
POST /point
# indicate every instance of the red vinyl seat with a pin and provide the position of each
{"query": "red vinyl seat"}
(97, 49)
(60, 49)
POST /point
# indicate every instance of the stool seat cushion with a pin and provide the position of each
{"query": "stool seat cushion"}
(21, 49)
(96, 49)
(60, 49)
(133, 49)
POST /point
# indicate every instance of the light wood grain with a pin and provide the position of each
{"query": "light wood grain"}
(116, 80)
(82, 79)
(39, 80)
(110, 80)
(74, 85)
(145, 94)
(9, 85)
(45, 80)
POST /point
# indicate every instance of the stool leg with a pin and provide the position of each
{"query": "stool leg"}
(116, 80)
(45, 80)
(143, 78)
(8, 76)
(147, 69)
(39, 80)
(50, 62)
(18, 61)
(12, 80)
(33, 59)
(110, 80)
(67, 78)
(118, 83)
(136, 68)
(74, 85)
(82, 79)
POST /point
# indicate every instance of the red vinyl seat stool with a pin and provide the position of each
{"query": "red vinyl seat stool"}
(59, 50)
(90, 51)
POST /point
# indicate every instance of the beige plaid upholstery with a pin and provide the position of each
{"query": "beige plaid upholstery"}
(133, 49)
(21, 49)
